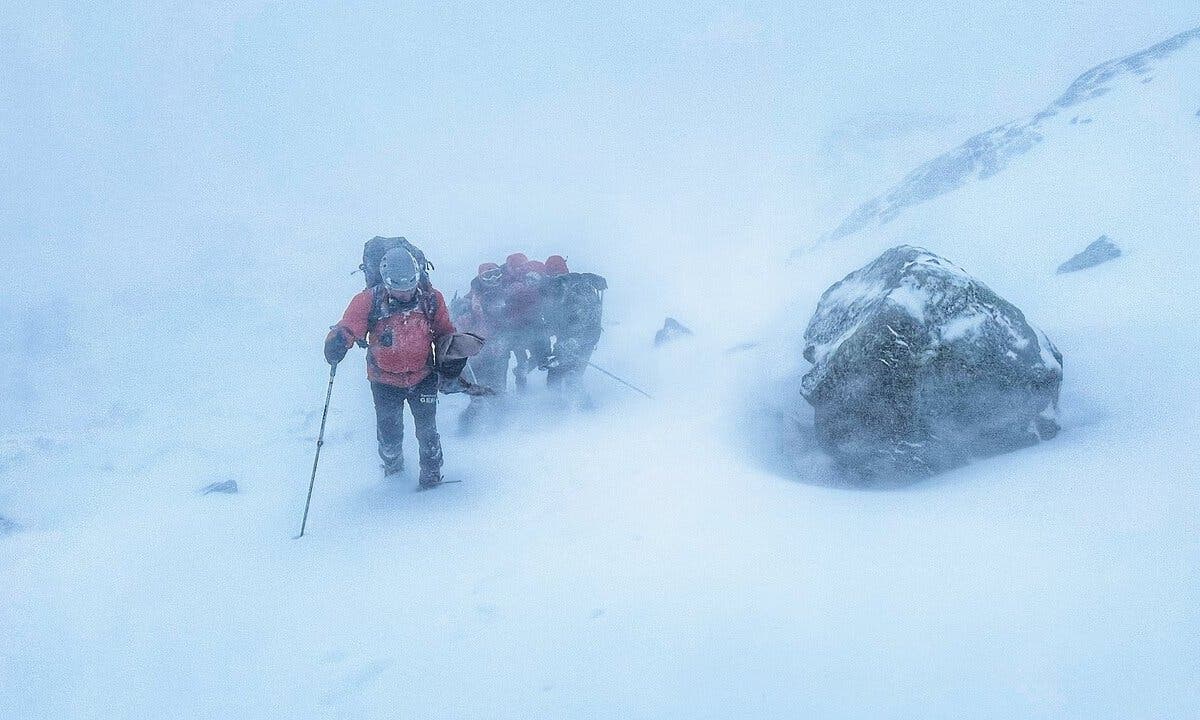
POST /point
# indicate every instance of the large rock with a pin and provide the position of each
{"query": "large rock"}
(918, 367)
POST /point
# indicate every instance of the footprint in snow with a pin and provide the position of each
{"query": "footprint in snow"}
(8, 527)
(355, 681)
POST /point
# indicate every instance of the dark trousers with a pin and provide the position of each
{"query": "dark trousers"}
(389, 421)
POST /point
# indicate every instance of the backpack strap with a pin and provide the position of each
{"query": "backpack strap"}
(426, 301)
(378, 307)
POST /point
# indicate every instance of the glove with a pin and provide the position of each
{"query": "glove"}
(550, 361)
(335, 346)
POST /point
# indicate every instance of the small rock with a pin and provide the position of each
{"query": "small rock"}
(228, 487)
(1100, 251)
(671, 330)
(740, 348)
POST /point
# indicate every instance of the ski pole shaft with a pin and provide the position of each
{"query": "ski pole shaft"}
(320, 441)
(626, 383)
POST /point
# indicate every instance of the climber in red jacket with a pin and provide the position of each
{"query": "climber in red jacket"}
(401, 320)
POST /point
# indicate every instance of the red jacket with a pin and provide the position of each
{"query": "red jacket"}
(523, 305)
(399, 342)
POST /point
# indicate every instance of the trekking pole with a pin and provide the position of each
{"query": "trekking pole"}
(320, 441)
(623, 382)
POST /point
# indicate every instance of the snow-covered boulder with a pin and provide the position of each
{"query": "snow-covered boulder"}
(1100, 251)
(917, 367)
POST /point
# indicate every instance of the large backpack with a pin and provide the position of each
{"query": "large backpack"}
(575, 304)
(377, 247)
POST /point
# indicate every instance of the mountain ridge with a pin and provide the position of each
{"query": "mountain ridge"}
(989, 152)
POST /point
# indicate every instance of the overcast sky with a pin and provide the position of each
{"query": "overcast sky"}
(233, 126)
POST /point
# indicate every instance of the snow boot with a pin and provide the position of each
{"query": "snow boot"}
(393, 467)
(430, 478)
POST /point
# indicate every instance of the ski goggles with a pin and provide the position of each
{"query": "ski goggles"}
(401, 284)
(491, 275)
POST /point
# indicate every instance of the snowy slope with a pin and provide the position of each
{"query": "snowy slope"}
(990, 152)
(652, 559)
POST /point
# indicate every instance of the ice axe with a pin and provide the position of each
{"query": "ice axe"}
(320, 441)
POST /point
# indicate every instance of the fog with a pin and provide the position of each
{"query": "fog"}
(147, 145)
(148, 133)
(186, 188)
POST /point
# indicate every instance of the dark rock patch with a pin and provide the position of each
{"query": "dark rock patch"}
(227, 487)
(1100, 251)
(671, 330)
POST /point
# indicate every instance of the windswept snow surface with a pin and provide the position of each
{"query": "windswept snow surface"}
(691, 556)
